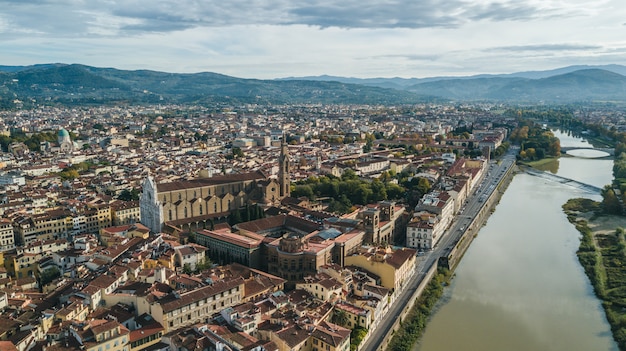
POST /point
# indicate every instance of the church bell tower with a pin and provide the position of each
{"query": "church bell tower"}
(283, 173)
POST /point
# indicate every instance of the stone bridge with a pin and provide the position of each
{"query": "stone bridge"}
(610, 151)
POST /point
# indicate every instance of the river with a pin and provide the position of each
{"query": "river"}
(520, 286)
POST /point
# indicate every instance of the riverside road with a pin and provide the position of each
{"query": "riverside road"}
(470, 210)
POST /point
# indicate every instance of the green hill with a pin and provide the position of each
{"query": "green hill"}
(78, 84)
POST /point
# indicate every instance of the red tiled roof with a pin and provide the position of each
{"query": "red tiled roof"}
(216, 180)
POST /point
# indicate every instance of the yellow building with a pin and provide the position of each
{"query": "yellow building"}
(24, 261)
(49, 225)
(330, 337)
(393, 267)
(125, 212)
(355, 316)
(59, 223)
(75, 311)
(192, 307)
(322, 286)
(145, 337)
(102, 335)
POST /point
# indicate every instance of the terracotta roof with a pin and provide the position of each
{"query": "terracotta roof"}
(289, 221)
(330, 333)
(400, 257)
(145, 332)
(216, 180)
(201, 293)
(293, 336)
(249, 241)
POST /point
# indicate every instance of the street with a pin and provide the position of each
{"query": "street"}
(472, 207)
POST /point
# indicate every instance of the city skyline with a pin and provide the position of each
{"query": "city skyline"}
(282, 39)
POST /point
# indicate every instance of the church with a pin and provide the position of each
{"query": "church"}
(192, 204)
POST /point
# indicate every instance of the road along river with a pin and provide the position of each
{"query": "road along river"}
(520, 286)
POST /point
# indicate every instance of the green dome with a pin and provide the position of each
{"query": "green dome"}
(63, 133)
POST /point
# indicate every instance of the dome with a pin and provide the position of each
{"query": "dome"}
(63, 133)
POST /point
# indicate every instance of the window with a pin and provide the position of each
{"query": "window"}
(200, 208)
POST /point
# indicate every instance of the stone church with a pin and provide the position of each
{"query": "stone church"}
(193, 203)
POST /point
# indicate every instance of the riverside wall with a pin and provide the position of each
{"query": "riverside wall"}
(408, 307)
(453, 257)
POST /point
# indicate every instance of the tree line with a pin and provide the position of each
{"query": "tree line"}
(350, 190)
(536, 142)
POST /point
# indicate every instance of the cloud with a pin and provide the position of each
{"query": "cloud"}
(408, 57)
(545, 48)
(506, 12)
(379, 14)
(126, 17)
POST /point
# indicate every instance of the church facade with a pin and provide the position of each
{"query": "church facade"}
(193, 203)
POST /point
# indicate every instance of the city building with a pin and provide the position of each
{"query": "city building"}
(193, 203)
(424, 231)
(393, 267)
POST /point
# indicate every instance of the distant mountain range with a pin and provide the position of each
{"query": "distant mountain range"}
(568, 84)
(79, 84)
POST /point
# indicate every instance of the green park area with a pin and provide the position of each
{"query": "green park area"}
(602, 253)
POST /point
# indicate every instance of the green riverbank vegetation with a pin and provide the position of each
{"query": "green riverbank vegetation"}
(413, 326)
(602, 253)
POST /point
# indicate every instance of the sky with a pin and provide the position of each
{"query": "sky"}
(294, 38)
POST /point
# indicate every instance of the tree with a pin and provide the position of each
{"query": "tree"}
(129, 195)
(303, 162)
(237, 152)
(234, 217)
(349, 174)
(610, 202)
(192, 237)
(69, 174)
(340, 317)
(48, 275)
(356, 337)
(187, 268)
(303, 190)
(540, 153)
(203, 265)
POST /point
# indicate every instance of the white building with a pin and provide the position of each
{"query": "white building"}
(424, 231)
(440, 203)
(10, 178)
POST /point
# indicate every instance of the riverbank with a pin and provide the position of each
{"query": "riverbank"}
(415, 323)
(602, 254)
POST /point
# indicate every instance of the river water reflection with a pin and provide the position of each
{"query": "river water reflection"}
(520, 286)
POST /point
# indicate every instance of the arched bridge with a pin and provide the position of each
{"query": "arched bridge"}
(567, 181)
(610, 151)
